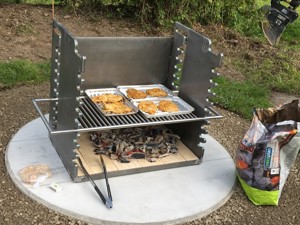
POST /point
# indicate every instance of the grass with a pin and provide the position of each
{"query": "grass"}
(282, 76)
(25, 29)
(23, 72)
(240, 96)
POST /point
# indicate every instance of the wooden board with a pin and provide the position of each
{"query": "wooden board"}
(92, 161)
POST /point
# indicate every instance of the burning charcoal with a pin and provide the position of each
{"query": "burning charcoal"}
(151, 145)
(113, 148)
(151, 159)
(129, 148)
(121, 146)
(161, 145)
(173, 136)
(107, 141)
(153, 155)
(93, 136)
(150, 149)
(146, 142)
(127, 130)
(163, 150)
(114, 156)
(124, 160)
(135, 137)
(101, 151)
(158, 139)
(149, 139)
(142, 148)
(138, 155)
(163, 155)
(173, 150)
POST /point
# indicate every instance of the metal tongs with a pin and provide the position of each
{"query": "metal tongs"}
(107, 201)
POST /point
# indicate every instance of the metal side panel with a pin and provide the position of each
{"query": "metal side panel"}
(71, 66)
(175, 65)
(66, 80)
(55, 71)
(198, 63)
(65, 145)
(190, 135)
(113, 61)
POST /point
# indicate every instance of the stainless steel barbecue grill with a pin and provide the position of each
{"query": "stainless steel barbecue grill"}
(81, 63)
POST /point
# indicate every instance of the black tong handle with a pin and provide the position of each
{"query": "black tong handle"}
(107, 202)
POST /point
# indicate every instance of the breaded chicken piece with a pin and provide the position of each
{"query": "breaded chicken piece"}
(167, 106)
(148, 107)
(135, 94)
(107, 98)
(116, 108)
(156, 92)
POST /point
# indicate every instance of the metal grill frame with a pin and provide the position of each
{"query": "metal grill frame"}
(80, 63)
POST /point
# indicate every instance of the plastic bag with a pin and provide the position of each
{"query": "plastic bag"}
(267, 152)
(35, 174)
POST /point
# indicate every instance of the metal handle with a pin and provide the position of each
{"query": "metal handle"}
(213, 111)
(46, 122)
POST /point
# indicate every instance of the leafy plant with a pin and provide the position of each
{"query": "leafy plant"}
(46, 2)
(241, 15)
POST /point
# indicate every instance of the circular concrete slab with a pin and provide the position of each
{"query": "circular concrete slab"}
(162, 197)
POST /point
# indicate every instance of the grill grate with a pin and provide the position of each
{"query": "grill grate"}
(92, 118)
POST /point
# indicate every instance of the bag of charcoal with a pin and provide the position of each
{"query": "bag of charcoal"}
(267, 152)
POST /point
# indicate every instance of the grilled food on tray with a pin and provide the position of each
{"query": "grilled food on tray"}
(167, 106)
(112, 103)
(148, 107)
(116, 108)
(156, 92)
(135, 94)
(107, 98)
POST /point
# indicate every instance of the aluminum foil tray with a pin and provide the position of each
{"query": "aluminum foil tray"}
(184, 108)
(144, 88)
(95, 92)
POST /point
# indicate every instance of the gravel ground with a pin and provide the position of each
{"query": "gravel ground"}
(16, 208)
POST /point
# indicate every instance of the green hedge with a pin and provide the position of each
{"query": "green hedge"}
(242, 15)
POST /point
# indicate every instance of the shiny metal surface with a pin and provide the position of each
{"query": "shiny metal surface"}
(91, 120)
(144, 88)
(114, 61)
(104, 62)
(198, 69)
(183, 107)
(67, 65)
(96, 92)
